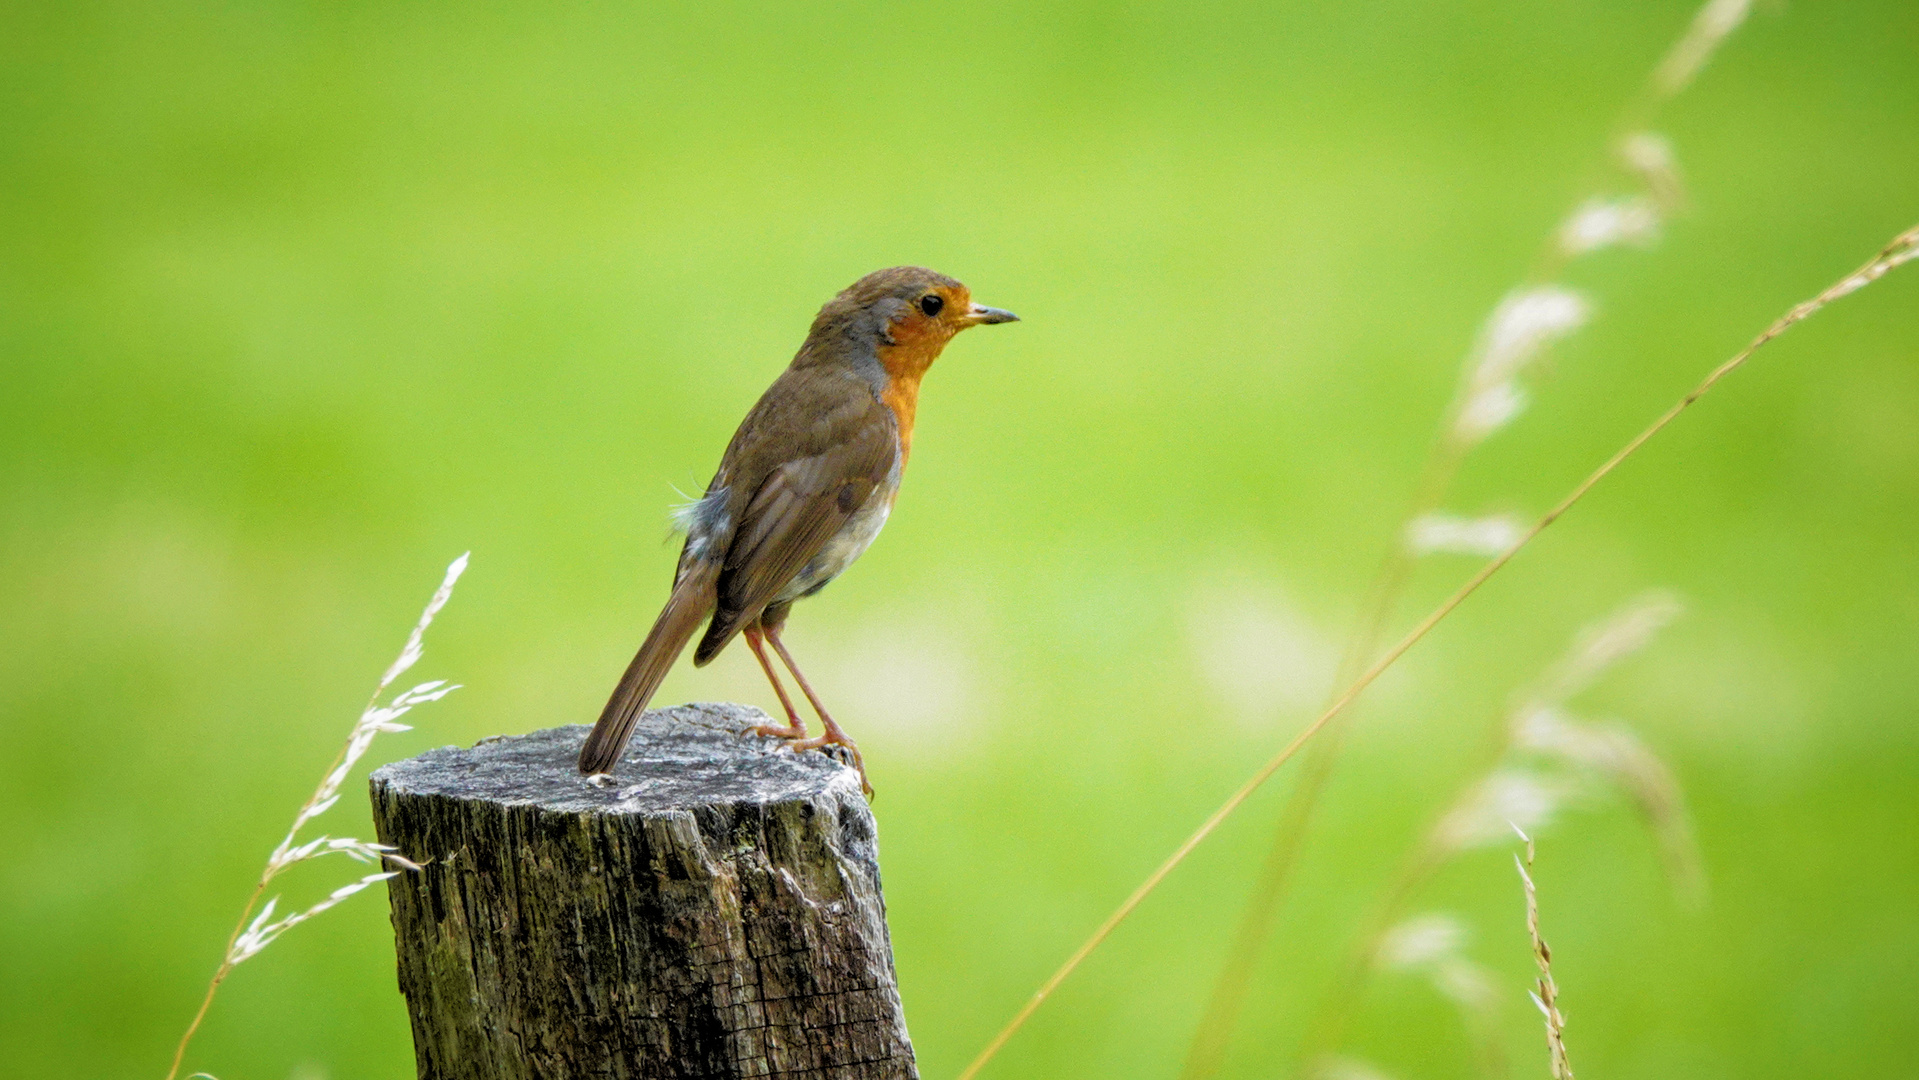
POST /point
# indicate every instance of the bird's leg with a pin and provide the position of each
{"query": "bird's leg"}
(834, 735)
(796, 728)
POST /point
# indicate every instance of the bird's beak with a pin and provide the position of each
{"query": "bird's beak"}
(982, 314)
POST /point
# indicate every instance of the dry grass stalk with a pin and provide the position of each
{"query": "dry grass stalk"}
(1490, 395)
(1611, 753)
(250, 937)
(1614, 754)
(1450, 534)
(1546, 996)
(1710, 27)
(1650, 157)
(1508, 794)
(1902, 249)
(1518, 333)
(1600, 647)
(1433, 946)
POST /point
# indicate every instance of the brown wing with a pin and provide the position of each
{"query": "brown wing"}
(800, 505)
(804, 459)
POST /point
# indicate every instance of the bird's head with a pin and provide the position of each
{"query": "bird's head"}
(904, 316)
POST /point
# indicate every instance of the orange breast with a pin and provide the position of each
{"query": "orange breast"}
(906, 361)
(903, 397)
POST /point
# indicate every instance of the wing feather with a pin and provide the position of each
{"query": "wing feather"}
(800, 506)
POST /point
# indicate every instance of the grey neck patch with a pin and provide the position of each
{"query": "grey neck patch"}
(860, 336)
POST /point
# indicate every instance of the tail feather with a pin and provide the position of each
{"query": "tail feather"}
(691, 602)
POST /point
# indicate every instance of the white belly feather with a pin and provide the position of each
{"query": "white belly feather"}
(846, 545)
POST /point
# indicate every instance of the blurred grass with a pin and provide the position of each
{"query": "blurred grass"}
(299, 301)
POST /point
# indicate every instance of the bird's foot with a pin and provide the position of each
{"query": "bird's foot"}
(836, 737)
(793, 737)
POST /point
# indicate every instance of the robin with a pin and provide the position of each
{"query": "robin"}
(803, 488)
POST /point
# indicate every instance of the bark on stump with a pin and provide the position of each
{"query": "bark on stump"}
(715, 911)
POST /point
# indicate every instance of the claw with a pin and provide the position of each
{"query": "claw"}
(840, 748)
(835, 737)
(793, 733)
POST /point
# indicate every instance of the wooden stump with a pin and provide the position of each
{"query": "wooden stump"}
(715, 911)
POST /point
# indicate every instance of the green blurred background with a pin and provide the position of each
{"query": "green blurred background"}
(299, 301)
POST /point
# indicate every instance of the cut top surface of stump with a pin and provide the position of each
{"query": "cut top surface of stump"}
(686, 756)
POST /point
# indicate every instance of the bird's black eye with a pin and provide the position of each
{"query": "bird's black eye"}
(931, 303)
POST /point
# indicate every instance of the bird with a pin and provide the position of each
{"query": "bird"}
(803, 488)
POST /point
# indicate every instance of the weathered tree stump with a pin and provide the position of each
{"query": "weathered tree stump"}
(715, 911)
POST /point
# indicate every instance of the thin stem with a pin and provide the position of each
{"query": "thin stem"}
(1418, 869)
(1208, 1049)
(219, 976)
(272, 868)
(1903, 248)
(369, 724)
(1547, 996)
(1415, 871)
(1681, 62)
